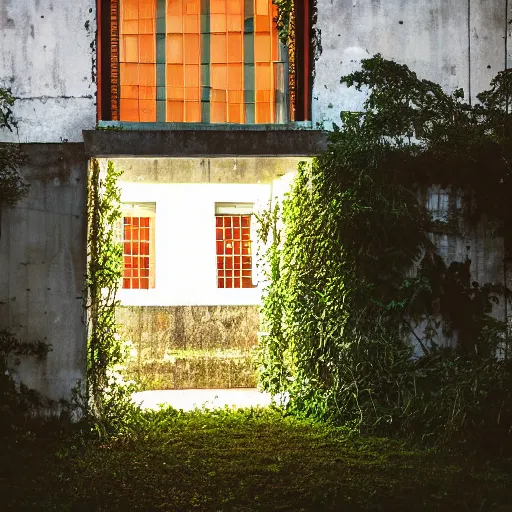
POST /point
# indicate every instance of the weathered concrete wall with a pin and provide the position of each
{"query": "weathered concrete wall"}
(191, 346)
(460, 43)
(48, 57)
(42, 266)
(456, 240)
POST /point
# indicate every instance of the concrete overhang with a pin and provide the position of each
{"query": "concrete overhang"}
(234, 169)
(204, 143)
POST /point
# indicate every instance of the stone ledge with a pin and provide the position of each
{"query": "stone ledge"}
(203, 143)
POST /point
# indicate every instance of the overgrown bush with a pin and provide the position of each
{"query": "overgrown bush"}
(461, 398)
(341, 295)
(108, 403)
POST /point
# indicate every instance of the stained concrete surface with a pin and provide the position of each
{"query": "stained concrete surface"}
(447, 42)
(191, 346)
(201, 143)
(43, 264)
(48, 58)
(213, 170)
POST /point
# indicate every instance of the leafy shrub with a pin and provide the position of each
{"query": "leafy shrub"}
(12, 185)
(340, 296)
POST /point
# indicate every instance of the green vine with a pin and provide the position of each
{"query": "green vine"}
(7, 101)
(103, 277)
(438, 138)
(340, 298)
(284, 20)
(13, 186)
(17, 402)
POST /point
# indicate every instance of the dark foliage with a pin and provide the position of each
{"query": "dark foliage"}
(341, 295)
(18, 403)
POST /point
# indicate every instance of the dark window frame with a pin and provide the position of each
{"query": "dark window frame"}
(108, 61)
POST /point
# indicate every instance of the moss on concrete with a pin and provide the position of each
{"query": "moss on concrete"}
(196, 369)
(180, 347)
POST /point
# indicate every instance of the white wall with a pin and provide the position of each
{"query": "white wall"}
(456, 43)
(185, 256)
(48, 57)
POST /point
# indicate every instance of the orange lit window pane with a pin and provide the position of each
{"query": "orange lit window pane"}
(192, 112)
(222, 73)
(137, 60)
(234, 259)
(136, 252)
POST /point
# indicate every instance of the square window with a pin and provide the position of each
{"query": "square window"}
(234, 260)
(138, 245)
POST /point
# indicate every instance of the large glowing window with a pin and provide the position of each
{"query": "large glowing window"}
(138, 246)
(213, 61)
(137, 60)
(234, 245)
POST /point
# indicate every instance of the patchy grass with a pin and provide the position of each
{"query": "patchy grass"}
(241, 461)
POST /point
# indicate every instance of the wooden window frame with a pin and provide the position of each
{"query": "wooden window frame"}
(134, 210)
(236, 213)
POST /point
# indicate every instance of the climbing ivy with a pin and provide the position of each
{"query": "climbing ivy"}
(7, 101)
(438, 138)
(104, 252)
(341, 292)
(284, 20)
(13, 186)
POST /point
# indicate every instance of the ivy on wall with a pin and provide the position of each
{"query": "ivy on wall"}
(438, 138)
(340, 296)
(104, 270)
(285, 21)
(13, 186)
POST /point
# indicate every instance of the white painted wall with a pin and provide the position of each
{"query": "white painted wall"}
(456, 43)
(185, 256)
(48, 57)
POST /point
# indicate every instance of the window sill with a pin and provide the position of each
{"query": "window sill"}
(124, 125)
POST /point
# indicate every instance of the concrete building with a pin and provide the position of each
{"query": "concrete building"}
(208, 112)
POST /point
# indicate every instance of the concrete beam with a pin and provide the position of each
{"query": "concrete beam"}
(232, 169)
(203, 143)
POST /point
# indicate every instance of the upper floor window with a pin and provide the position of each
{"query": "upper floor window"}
(203, 61)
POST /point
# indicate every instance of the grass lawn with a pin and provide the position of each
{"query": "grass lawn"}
(242, 460)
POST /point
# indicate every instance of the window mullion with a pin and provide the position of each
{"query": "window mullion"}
(161, 94)
(205, 61)
(249, 71)
(113, 62)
